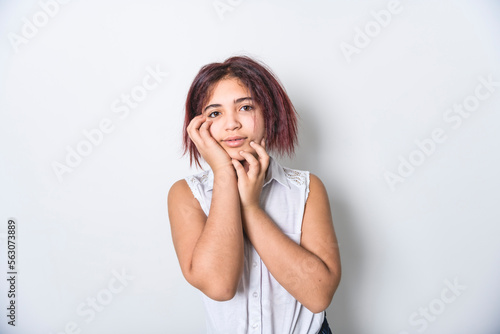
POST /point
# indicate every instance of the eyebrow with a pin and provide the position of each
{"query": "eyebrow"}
(216, 105)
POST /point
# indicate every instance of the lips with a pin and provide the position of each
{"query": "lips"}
(234, 141)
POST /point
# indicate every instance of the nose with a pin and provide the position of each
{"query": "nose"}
(232, 121)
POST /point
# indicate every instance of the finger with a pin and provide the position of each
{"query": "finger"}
(196, 122)
(254, 165)
(262, 153)
(260, 149)
(240, 171)
(194, 134)
(205, 131)
(193, 129)
(250, 158)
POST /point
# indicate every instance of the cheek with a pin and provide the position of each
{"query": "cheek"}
(260, 129)
(214, 129)
(256, 123)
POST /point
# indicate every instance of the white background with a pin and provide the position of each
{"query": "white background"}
(359, 115)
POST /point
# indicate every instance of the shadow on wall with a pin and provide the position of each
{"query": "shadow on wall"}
(341, 313)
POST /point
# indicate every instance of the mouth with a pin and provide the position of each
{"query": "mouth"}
(234, 141)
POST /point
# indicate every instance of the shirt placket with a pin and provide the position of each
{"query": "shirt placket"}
(255, 291)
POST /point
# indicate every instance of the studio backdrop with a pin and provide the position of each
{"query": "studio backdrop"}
(399, 117)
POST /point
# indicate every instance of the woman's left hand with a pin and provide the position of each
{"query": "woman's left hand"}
(250, 183)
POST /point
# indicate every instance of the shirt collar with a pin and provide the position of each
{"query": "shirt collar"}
(274, 171)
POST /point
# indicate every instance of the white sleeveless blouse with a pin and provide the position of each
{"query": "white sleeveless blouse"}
(261, 305)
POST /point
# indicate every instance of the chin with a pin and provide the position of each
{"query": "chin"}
(234, 153)
(236, 156)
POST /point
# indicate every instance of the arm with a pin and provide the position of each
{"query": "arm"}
(310, 271)
(209, 249)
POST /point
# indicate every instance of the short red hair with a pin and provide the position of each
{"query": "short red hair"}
(280, 117)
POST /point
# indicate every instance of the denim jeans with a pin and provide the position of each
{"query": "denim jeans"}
(325, 329)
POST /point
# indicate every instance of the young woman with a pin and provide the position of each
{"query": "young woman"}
(255, 237)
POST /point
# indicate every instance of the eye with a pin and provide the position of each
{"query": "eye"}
(214, 114)
(247, 108)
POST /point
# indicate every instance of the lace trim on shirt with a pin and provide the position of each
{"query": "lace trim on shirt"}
(297, 177)
(193, 181)
(201, 178)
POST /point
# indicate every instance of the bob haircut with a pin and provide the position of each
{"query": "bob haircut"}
(280, 117)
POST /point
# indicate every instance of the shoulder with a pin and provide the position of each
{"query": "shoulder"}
(181, 196)
(315, 182)
(179, 189)
(191, 186)
(317, 190)
(183, 185)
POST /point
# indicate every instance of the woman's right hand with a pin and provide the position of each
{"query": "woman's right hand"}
(211, 151)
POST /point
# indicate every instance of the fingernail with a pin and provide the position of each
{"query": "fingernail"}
(252, 142)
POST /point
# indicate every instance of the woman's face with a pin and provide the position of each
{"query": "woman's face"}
(237, 119)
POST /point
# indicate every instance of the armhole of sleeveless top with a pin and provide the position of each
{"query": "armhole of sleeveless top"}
(193, 185)
(306, 196)
(307, 177)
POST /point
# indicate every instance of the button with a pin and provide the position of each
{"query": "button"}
(255, 325)
(255, 294)
(254, 264)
